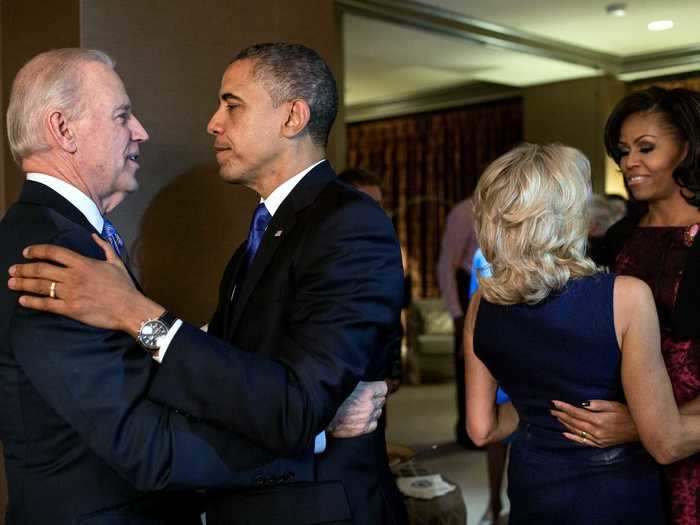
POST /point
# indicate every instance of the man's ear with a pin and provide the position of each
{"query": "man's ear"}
(61, 131)
(297, 118)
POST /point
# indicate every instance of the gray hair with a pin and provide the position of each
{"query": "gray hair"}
(293, 71)
(49, 81)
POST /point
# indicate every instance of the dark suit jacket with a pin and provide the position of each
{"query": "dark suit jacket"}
(82, 442)
(322, 298)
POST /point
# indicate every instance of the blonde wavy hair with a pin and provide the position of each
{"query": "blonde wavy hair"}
(530, 210)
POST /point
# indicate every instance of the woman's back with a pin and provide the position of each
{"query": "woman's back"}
(565, 347)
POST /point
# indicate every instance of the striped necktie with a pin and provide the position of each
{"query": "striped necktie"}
(110, 234)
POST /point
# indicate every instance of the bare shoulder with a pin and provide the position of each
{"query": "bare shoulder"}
(632, 302)
(630, 291)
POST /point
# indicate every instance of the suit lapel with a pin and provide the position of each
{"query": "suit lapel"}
(232, 291)
(37, 193)
(280, 226)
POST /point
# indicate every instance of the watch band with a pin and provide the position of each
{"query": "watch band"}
(168, 318)
(153, 330)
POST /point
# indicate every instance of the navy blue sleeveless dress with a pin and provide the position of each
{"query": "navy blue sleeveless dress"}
(565, 348)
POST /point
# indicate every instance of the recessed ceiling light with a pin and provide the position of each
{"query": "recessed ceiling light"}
(616, 9)
(660, 25)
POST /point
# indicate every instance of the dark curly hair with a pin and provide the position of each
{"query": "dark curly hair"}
(680, 109)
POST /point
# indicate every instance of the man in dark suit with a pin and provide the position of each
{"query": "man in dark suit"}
(83, 441)
(308, 306)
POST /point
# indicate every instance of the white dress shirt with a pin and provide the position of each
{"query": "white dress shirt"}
(77, 198)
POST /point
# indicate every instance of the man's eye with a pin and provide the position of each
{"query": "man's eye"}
(230, 107)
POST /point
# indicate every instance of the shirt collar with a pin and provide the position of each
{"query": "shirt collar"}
(276, 198)
(77, 198)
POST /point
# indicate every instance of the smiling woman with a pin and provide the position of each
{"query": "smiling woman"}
(654, 137)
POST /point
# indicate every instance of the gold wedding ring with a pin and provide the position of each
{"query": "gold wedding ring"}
(583, 434)
(52, 290)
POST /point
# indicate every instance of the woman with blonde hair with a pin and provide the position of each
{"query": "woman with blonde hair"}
(549, 325)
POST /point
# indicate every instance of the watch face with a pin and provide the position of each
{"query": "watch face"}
(151, 332)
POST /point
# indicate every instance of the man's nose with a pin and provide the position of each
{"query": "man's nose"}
(138, 132)
(214, 126)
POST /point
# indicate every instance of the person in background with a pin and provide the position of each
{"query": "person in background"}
(654, 137)
(548, 323)
(618, 206)
(364, 181)
(603, 213)
(370, 184)
(453, 272)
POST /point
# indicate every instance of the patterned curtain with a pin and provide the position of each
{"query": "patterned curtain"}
(428, 162)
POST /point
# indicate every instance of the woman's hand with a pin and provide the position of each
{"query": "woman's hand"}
(599, 424)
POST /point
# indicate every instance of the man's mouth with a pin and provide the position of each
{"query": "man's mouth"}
(134, 157)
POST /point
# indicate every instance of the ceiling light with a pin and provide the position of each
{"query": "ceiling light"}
(616, 9)
(660, 25)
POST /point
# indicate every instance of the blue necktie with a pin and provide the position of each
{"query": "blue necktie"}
(110, 234)
(261, 218)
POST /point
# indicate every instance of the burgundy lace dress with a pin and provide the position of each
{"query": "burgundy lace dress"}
(658, 256)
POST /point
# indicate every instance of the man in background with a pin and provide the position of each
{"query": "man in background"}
(456, 255)
(370, 184)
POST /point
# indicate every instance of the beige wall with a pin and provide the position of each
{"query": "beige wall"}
(574, 113)
(28, 29)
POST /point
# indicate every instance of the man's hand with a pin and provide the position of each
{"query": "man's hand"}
(360, 411)
(600, 424)
(98, 293)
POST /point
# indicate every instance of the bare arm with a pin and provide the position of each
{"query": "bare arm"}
(665, 432)
(486, 422)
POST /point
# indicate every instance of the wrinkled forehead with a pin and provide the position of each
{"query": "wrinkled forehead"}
(102, 85)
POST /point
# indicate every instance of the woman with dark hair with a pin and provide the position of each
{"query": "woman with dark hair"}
(654, 137)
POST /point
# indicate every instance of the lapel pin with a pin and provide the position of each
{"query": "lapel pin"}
(278, 233)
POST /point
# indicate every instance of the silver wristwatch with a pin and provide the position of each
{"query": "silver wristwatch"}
(153, 331)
